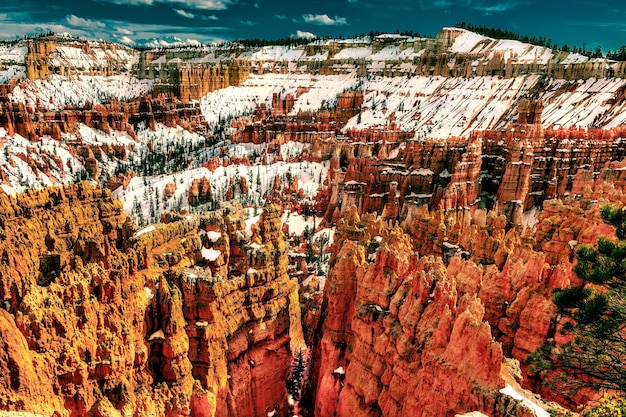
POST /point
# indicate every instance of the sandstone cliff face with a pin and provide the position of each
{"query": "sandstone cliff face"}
(58, 55)
(192, 318)
(189, 81)
(404, 335)
(503, 276)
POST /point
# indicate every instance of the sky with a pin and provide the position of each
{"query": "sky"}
(154, 22)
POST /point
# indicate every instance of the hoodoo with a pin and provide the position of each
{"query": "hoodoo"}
(367, 227)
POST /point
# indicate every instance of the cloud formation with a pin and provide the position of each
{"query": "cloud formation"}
(307, 35)
(324, 20)
(190, 4)
(79, 22)
(184, 13)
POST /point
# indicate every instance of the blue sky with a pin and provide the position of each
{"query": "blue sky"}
(599, 22)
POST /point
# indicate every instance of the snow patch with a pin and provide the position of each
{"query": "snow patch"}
(210, 254)
(145, 230)
(157, 335)
(536, 408)
(212, 235)
(339, 371)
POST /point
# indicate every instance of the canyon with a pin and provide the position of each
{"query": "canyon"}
(370, 226)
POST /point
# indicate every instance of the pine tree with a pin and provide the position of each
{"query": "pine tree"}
(597, 317)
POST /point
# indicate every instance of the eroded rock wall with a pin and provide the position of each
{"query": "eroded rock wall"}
(404, 334)
(194, 317)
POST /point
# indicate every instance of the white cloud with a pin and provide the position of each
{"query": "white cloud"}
(189, 4)
(10, 30)
(495, 8)
(280, 16)
(127, 40)
(79, 22)
(211, 17)
(131, 2)
(183, 13)
(302, 34)
(323, 19)
(247, 22)
(125, 31)
(352, 1)
(13, 25)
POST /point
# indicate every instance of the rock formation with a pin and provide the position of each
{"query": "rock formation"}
(404, 335)
(445, 254)
(190, 318)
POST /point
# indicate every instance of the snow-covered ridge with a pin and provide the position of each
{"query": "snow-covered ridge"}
(258, 89)
(13, 53)
(58, 91)
(467, 42)
(387, 47)
(95, 57)
(473, 43)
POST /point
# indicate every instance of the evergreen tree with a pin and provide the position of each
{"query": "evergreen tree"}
(597, 317)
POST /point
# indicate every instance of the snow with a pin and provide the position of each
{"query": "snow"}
(439, 107)
(213, 236)
(145, 230)
(157, 335)
(58, 91)
(423, 172)
(11, 71)
(13, 53)
(91, 136)
(231, 102)
(149, 293)
(339, 371)
(530, 217)
(210, 254)
(249, 222)
(297, 223)
(585, 105)
(291, 149)
(536, 408)
(98, 56)
(274, 53)
(470, 42)
(353, 53)
(21, 168)
(255, 246)
(142, 190)
(574, 59)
